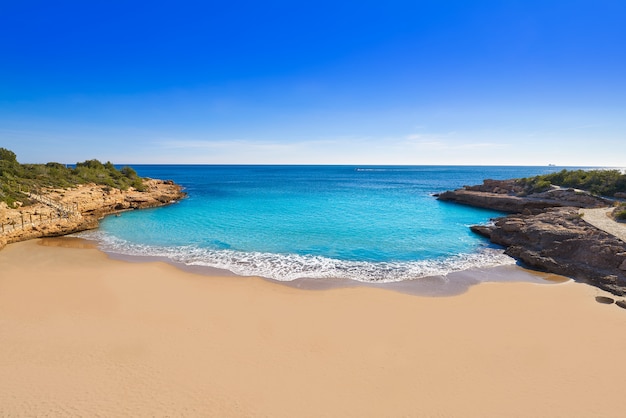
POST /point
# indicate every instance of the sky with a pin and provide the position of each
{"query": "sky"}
(314, 82)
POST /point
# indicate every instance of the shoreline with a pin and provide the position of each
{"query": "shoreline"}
(450, 284)
(84, 334)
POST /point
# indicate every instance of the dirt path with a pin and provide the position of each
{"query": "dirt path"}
(599, 219)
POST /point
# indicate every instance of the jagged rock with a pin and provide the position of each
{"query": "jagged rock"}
(512, 225)
(508, 196)
(500, 202)
(559, 241)
(545, 231)
(86, 205)
(497, 186)
(484, 230)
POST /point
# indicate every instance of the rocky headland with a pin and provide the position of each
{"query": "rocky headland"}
(511, 196)
(56, 212)
(546, 231)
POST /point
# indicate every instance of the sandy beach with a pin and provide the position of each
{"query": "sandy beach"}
(84, 335)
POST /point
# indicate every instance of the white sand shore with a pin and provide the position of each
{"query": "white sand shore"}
(83, 335)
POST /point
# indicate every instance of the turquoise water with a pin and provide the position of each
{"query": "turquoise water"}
(375, 224)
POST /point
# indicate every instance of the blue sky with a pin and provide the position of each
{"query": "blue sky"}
(321, 82)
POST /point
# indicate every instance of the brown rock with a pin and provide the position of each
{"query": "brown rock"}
(84, 205)
(545, 231)
(483, 230)
(506, 196)
(605, 300)
(560, 242)
(512, 225)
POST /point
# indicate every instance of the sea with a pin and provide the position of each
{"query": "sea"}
(375, 224)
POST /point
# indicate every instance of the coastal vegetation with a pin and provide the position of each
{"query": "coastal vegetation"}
(619, 213)
(598, 182)
(16, 179)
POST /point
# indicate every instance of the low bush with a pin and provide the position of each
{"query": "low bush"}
(599, 182)
(619, 213)
(16, 178)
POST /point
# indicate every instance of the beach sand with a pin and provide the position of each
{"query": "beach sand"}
(84, 335)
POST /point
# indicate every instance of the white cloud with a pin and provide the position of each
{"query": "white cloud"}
(446, 148)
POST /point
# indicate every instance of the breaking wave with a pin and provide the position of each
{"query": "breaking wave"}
(288, 267)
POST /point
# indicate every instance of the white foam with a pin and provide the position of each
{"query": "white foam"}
(288, 267)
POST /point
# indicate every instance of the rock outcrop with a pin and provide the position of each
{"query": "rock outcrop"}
(96, 201)
(558, 240)
(546, 232)
(510, 196)
(83, 206)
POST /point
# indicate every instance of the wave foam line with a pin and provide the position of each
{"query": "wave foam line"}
(288, 267)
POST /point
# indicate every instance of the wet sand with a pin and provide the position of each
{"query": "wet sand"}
(82, 334)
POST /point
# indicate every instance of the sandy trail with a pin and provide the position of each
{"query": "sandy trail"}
(600, 219)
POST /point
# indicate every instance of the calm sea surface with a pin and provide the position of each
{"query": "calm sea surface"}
(366, 223)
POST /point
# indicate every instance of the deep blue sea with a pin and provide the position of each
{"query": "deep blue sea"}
(366, 223)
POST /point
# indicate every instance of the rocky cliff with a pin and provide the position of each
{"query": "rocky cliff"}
(78, 209)
(510, 196)
(546, 232)
(558, 240)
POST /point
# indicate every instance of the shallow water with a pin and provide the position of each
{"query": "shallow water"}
(372, 224)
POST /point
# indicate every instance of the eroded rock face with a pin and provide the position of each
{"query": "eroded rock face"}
(545, 231)
(508, 196)
(495, 201)
(88, 204)
(559, 241)
(510, 187)
(94, 200)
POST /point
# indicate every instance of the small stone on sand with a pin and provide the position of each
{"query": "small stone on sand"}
(605, 300)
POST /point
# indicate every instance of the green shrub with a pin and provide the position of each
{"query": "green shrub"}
(619, 213)
(16, 178)
(599, 182)
(8, 156)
